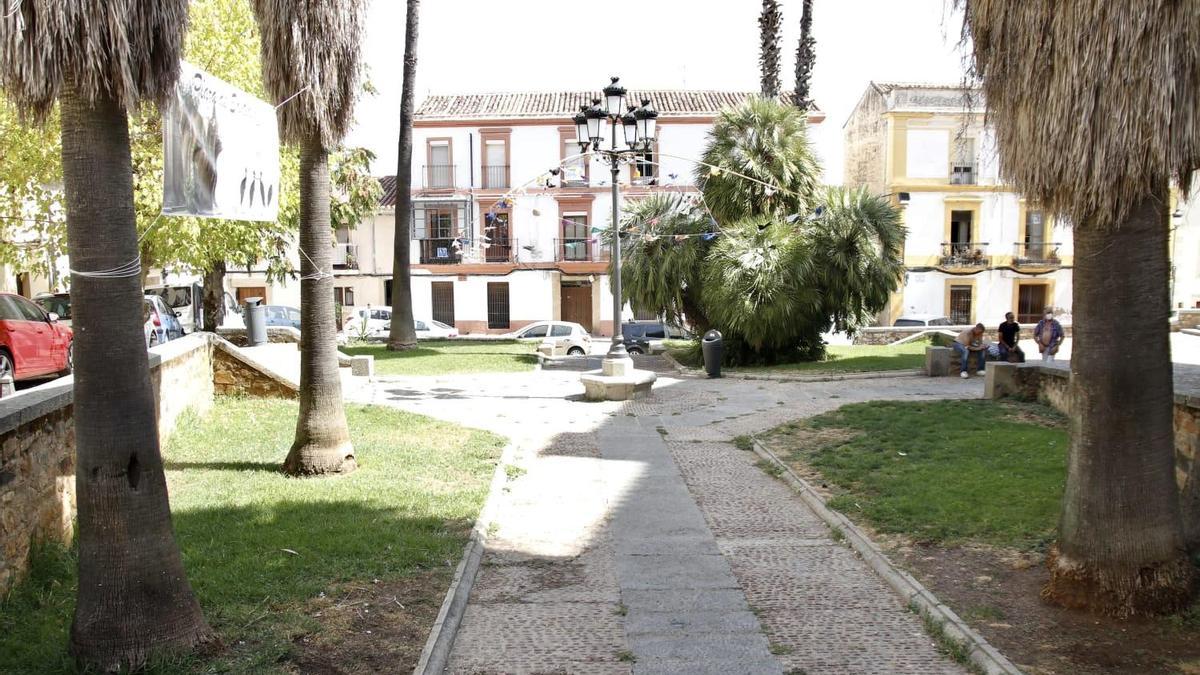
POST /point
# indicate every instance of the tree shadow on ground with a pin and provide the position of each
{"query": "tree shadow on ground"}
(222, 466)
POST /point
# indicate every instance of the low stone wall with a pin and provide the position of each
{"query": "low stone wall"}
(1051, 385)
(37, 437)
(237, 336)
(886, 335)
(1188, 318)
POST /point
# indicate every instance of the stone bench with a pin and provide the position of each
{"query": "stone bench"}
(943, 361)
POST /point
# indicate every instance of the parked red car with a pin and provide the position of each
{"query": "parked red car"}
(32, 343)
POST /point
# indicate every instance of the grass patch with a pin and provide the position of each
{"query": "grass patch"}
(944, 471)
(448, 357)
(398, 523)
(838, 358)
(743, 442)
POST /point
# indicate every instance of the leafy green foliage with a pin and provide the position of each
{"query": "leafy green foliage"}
(978, 471)
(788, 261)
(260, 547)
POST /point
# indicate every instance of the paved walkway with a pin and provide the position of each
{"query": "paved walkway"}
(634, 538)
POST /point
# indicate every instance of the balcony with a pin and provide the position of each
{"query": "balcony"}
(345, 256)
(1036, 254)
(580, 250)
(438, 176)
(500, 251)
(963, 173)
(495, 176)
(440, 251)
(964, 255)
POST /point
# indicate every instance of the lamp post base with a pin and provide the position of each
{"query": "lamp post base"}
(617, 380)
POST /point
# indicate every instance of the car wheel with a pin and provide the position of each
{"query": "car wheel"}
(636, 350)
(575, 351)
(7, 370)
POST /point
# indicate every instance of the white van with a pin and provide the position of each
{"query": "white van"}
(182, 299)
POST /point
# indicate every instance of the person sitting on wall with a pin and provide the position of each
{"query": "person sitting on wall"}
(971, 342)
(1010, 335)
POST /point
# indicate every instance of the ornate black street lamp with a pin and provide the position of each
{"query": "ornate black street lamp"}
(609, 119)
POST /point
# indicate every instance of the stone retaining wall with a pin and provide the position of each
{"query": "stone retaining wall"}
(1188, 318)
(886, 335)
(37, 437)
(1051, 385)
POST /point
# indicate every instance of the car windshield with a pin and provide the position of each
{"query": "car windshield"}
(441, 325)
(908, 322)
(57, 304)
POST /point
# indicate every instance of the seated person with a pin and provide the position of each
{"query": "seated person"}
(1010, 335)
(971, 342)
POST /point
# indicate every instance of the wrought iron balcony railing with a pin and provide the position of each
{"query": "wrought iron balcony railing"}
(963, 173)
(438, 176)
(440, 251)
(495, 176)
(1037, 253)
(580, 250)
(964, 254)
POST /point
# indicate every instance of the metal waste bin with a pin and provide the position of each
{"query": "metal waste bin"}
(713, 347)
(256, 322)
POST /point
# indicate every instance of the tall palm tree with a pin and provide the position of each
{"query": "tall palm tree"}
(806, 56)
(312, 51)
(403, 334)
(769, 24)
(1095, 105)
(133, 595)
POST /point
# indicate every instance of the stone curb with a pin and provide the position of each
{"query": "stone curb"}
(436, 654)
(815, 377)
(982, 654)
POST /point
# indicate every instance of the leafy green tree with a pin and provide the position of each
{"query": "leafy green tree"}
(99, 61)
(782, 262)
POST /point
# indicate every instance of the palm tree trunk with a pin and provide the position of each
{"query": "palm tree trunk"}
(134, 597)
(403, 334)
(769, 23)
(1120, 548)
(214, 296)
(322, 444)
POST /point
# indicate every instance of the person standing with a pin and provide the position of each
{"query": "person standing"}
(1049, 336)
(1010, 335)
(970, 342)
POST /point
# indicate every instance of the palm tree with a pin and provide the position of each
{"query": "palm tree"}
(403, 334)
(806, 56)
(133, 595)
(765, 141)
(311, 51)
(1095, 111)
(769, 23)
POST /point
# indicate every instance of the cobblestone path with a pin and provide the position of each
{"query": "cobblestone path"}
(634, 538)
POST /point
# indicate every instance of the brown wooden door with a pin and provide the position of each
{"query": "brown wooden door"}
(244, 292)
(577, 305)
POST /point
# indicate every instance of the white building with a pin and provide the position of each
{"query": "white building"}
(497, 240)
(975, 248)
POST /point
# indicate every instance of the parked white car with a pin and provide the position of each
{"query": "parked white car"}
(428, 329)
(569, 338)
(923, 320)
(366, 323)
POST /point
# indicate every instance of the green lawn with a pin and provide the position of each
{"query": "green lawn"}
(448, 357)
(839, 359)
(266, 553)
(945, 471)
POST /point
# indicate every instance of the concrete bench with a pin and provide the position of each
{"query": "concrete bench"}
(943, 361)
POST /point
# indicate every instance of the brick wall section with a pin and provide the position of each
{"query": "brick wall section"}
(1051, 386)
(37, 438)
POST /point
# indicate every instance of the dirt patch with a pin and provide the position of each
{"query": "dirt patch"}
(376, 627)
(996, 592)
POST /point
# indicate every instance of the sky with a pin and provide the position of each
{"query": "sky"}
(477, 46)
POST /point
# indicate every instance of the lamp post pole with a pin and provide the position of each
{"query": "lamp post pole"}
(637, 125)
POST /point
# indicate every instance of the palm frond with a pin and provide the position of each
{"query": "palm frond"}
(126, 50)
(312, 50)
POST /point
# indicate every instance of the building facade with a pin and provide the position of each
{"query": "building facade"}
(975, 248)
(506, 218)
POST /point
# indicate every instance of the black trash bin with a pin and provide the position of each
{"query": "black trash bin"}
(256, 322)
(713, 347)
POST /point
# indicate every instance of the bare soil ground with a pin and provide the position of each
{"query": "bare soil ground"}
(996, 591)
(372, 628)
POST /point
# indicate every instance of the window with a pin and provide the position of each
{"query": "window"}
(440, 223)
(962, 166)
(575, 242)
(440, 170)
(497, 304)
(419, 325)
(1035, 235)
(1031, 302)
(293, 314)
(560, 330)
(28, 310)
(960, 231)
(644, 315)
(656, 332)
(960, 305)
(381, 314)
(344, 295)
(495, 162)
(442, 301)
(643, 168)
(575, 170)
(59, 304)
(535, 331)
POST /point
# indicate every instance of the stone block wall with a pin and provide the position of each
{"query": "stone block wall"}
(37, 437)
(886, 335)
(1189, 318)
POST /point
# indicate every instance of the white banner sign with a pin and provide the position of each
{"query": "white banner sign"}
(220, 151)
